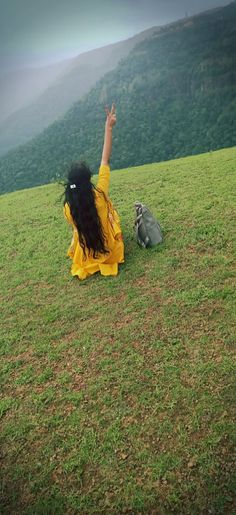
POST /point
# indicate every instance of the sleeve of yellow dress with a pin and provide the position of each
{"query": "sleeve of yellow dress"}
(67, 213)
(104, 178)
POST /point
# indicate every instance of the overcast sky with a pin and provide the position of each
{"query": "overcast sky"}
(38, 32)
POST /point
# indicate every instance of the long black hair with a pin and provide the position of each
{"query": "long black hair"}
(80, 196)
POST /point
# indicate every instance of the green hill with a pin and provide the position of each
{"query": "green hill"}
(117, 393)
(175, 95)
(21, 87)
(79, 76)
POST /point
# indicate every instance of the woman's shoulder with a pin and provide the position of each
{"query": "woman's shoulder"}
(67, 213)
(104, 177)
(101, 199)
(100, 195)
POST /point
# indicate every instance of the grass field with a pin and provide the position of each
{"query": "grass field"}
(117, 393)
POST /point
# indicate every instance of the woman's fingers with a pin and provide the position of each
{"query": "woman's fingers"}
(112, 111)
(111, 115)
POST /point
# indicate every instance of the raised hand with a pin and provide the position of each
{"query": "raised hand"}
(111, 116)
(110, 122)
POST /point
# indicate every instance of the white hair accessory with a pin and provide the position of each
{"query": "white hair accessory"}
(72, 186)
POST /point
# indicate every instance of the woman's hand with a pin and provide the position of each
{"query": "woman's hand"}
(111, 116)
(110, 122)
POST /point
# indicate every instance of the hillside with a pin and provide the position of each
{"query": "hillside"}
(20, 88)
(175, 95)
(117, 393)
(80, 75)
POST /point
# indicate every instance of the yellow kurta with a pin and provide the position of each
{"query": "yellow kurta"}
(106, 264)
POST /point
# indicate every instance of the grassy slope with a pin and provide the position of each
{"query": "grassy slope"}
(117, 392)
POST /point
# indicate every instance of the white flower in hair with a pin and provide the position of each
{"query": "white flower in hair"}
(72, 186)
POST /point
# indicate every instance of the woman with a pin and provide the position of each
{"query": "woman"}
(97, 243)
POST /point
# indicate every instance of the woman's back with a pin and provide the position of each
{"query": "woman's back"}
(86, 262)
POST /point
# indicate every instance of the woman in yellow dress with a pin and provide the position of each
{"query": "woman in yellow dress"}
(97, 243)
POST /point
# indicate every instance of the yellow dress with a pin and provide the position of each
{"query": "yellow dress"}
(106, 264)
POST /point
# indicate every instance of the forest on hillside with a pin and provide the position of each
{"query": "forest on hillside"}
(76, 79)
(175, 95)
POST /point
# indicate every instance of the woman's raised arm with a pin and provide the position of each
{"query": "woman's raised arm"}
(107, 146)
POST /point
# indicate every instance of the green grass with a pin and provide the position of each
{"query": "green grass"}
(117, 393)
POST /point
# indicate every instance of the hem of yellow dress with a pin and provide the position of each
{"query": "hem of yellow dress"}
(104, 269)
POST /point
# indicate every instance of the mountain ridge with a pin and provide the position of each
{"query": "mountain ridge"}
(78, 75)
(52, 101)
(175, 94)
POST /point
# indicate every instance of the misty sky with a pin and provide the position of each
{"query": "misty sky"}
(38, 32)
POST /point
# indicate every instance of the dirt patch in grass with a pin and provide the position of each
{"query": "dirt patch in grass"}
(124, 321)
(25, 356)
